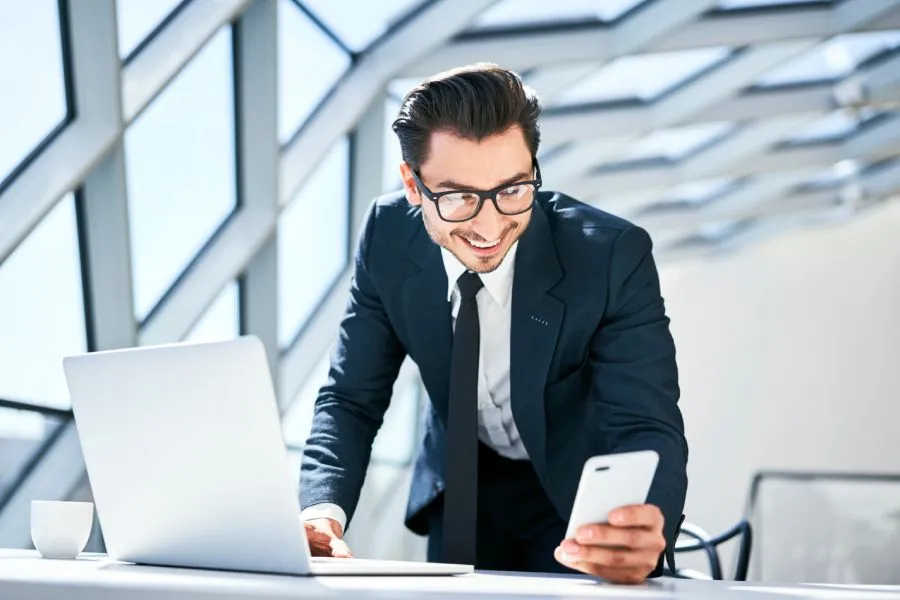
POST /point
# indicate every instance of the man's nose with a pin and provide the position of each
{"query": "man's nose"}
(488, 223)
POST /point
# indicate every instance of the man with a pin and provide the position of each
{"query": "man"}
(539, 332)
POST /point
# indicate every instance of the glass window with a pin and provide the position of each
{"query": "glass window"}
(368, 21)
(313, 242)
(390, 178)
(397, 438)
(833, 59)
(297, 421)
(514, 13)
(179, 157)
(21, 434)
(309, 64)
(221, 321)
(42, 310)
(33, 101)
(677, 142)
(136, 19)
(643, 77)
(738, 4)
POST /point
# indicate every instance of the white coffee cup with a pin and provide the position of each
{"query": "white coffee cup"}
(61, 529)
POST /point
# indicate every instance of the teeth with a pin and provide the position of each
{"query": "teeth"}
(484, 244)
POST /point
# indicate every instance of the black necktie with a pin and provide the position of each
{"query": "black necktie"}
(461, 462)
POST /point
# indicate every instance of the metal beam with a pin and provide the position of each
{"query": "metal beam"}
(579, 157)
(256, 56)
(349, 100)
(654, 22)
(366, 165)
(58, 170)
(95, 62)
(770, 198)
(531, 49)
(747, 201)
(878, 141)
(106, 249)
(725, 81)
(145, 76)
(746, 144)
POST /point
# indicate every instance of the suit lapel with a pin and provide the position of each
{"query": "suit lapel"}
(429, 320)
(536, 320)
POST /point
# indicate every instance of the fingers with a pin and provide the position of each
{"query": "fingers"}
(325, 542)
(603, 556)
(620, 575)
(620, 537)
(624, 551)
(638, 515)
(340, 549)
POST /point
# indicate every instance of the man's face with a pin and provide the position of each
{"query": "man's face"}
(455, 163)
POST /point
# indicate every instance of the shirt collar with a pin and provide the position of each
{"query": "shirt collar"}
(498, 282)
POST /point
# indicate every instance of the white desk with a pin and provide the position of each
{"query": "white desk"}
(25, 576)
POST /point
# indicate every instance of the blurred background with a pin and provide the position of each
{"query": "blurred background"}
(196, 170)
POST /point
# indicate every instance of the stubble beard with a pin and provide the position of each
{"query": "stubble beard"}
(483, 265)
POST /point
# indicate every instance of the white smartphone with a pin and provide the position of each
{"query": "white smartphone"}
(610, 482)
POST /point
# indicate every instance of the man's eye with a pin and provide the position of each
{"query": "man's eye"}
(513, 191)
(462, 198)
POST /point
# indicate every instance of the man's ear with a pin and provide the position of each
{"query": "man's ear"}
(413, 196)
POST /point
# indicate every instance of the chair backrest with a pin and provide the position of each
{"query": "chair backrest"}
(825, 528)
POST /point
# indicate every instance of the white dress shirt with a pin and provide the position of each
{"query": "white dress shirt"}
(496, 427)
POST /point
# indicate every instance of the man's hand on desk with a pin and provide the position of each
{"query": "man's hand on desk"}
(624, 551)
(324, 537)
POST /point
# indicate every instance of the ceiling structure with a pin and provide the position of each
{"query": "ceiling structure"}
(710, 123)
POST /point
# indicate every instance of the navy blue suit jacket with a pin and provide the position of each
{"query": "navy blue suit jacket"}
(592, 362)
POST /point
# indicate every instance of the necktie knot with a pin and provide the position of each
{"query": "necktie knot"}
(469, 283)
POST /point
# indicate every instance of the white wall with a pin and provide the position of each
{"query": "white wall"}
(789, 357)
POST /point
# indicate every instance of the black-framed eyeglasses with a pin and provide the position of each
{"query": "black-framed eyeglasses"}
(509, 199)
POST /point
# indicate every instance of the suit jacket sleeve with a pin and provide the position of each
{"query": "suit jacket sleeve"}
(350, 407)
(636, 377)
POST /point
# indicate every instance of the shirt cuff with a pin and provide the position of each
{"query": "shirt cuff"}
(325, 511)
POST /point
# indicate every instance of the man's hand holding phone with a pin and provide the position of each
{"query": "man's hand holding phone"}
(612, 532)
(625, 550)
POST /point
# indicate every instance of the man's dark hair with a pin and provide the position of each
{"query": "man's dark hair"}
(472, 102)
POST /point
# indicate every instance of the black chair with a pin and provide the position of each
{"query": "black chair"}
(701, 540)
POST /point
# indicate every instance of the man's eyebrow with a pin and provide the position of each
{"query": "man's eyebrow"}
(455, 185)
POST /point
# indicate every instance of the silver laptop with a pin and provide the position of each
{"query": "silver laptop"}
(188, 467)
